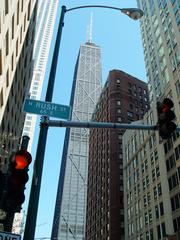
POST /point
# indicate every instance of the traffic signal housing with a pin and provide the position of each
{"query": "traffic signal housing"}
(166, 126)
(18, 177)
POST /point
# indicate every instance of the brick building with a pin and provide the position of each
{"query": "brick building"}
(124, 99)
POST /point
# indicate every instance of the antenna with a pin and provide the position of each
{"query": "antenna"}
(89, 30)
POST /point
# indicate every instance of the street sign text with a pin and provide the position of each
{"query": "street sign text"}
(46, 109)
(9, 236)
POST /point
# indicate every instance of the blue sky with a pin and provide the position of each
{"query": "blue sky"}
(121, 48)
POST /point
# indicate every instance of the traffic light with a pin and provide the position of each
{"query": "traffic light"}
(18, 177)
(166, 126)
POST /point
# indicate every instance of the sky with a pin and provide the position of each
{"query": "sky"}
(121, 48)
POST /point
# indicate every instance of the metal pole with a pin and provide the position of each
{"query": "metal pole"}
(54, 123)
(39, 160)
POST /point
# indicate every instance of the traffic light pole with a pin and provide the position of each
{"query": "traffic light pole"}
(30, 225)
(54, 123)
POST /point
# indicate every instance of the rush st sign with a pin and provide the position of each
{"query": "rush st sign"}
(9, 236)
(46, 109)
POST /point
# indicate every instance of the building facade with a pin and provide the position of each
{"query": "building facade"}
(124, 98)
(17, 28)
(70, 209)
(152, 209)
(160, 29)
(151, 174)
(45, 20)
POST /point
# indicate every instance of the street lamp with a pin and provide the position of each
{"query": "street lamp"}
(133, 13)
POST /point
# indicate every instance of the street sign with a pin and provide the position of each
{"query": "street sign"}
(9, 236)
(46, 109)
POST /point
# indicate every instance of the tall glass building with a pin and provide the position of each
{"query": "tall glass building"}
(46, 15)
(70, 209)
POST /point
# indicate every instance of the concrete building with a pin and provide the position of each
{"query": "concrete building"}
(152, 165)
(160, 29)
(124, 99)
(45, 20)
(17, 28)
(18, 223)
(70, 209)
(151, 177)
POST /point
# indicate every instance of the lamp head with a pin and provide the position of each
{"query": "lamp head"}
(134, 13)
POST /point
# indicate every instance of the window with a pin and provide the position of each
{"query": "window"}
(22, 5)
(0, 61)
(118, 103)
(157, 211)
(157, 172)
(28, 117)
(28, 123)
(12, 62)
(130, 114)
(7, 42)
(17, 48)
(17, 13)
(29, 10)
(119, 119)
(1, 98)
(173, 181)
(161, 207)
(7, 78)
(6, 6)
(153, 175)
(12, 26)
(159, 189)
(24, 22)
(21, 35)
(118, 80)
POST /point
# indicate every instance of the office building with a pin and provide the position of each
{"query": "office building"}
(70, 209)
(17, 28)
(18, 223)
(124, 99)
(45, 20)
(160, 29)
(152, 173)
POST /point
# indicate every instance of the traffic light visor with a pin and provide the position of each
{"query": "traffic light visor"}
(22, 159)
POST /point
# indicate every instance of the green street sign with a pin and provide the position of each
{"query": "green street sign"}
(46, 109)
(9, 236)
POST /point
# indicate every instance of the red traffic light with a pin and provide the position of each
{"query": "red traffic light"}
(22, 159)
(17, 179)
(166, 116)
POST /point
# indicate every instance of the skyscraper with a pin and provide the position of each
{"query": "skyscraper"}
(160, 29)
(70, 210)
(46, 15)
(152, 172)
(124, 98)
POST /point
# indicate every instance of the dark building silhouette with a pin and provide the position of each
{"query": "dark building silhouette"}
(124, 99)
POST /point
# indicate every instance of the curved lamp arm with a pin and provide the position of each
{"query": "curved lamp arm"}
(133, 13)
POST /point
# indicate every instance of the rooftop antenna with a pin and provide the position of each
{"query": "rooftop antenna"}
(89, 30)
